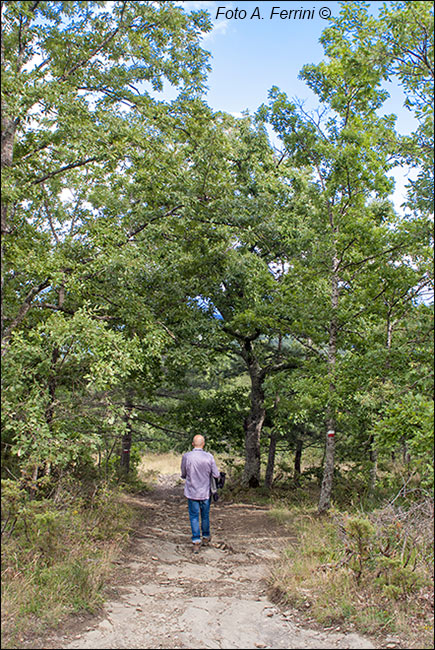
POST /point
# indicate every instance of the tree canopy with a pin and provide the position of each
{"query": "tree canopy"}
(167, 271)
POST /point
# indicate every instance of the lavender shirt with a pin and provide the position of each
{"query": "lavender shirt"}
(197, 466)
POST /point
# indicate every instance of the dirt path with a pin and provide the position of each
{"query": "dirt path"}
(173, 599)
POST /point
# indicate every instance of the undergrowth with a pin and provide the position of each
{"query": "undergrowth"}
(57, 555)
(368, 571)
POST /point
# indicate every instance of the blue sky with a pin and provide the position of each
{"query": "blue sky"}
(250, 55)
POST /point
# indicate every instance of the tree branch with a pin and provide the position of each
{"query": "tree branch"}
(165, 429)
(97, 49)
(21, 313)
(80, 163)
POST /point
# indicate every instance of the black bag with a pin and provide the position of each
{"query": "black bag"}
(221, 480)
(216, 484)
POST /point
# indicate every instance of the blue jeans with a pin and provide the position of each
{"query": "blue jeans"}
(195, 508)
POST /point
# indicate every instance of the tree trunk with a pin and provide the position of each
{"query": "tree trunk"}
(34, 483)
(52, 380)
(7, 145)
(255, 419)
(373, 471)
(9, 126)
(271, 460)
(373, 453)
(298, 457)
(251, 475)
(52, 385)
(127, 437)
(273, 440)
(328, 468)
(406, 456)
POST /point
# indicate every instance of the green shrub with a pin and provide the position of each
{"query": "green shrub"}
(397, 580)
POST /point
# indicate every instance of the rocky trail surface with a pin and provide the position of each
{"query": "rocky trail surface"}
(169, 597)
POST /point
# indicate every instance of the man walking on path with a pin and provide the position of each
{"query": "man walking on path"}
(197, 467)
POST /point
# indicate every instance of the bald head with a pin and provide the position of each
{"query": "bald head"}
(198, 441)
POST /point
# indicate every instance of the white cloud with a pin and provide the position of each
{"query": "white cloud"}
(402, 176)
(218, 28)
(196, 5)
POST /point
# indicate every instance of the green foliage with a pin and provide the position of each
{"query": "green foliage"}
(167, 272)
(408, 39)
(84, 153)
(359, 534)
(409, 420)
(159, 257)
(218, 415)
(91, 360)
(355, 264)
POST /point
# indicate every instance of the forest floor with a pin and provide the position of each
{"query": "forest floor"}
(164, 596)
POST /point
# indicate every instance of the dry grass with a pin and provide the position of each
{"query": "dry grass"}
(313, 577)
(31, 604)
(56, 561)
(152, 465)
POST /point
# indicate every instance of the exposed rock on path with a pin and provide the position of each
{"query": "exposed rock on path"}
(172, 598)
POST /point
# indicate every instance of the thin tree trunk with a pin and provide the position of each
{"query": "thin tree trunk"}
(328, 468)
(33, 485)
(406, 456)
(7, 145)
(373, 451)
(9, 125)
(52, 381)
(127, 437)
(271, 460)
(298, 457)
(373, 470)
(272, 445)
